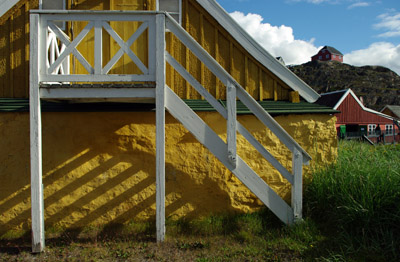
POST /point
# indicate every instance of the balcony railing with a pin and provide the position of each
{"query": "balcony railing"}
(53, 61)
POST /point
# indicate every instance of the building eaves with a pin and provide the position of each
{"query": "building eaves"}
(6, 5)
(331, 99)
(257, 51)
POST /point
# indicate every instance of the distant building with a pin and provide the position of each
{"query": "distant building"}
(328, 53)
(356, 120)
(280, 59)
(392, 111)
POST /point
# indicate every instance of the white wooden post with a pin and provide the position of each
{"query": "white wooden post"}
(231, 123)
(37, 206)
(98, 47)
(297, 186)
(160, 126)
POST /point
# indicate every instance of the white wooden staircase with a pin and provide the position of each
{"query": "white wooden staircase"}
(45, 68)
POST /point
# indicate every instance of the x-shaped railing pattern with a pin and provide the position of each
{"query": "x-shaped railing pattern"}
(54, 51)
(98, 23)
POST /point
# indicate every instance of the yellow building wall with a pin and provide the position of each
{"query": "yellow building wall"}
(14, 50)
(99, 168)
(256, 79)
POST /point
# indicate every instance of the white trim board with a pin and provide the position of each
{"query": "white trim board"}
(97, 93)
(6, 5)
(257, 51)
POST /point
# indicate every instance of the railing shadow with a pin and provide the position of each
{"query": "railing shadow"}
(99, 168)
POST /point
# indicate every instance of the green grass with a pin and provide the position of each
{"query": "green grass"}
(351, 212)
(358, 200)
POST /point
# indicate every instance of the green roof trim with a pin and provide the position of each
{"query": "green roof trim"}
(272, 107)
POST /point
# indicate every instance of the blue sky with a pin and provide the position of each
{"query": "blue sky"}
(367, 32)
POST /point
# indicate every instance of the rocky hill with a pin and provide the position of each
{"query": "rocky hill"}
(379, 86)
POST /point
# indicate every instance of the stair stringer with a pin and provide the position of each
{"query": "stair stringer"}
(206, 136)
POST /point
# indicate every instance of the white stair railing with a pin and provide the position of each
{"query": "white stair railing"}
(234, 90)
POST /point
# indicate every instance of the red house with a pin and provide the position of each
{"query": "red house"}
(356, 120)
(328, 53)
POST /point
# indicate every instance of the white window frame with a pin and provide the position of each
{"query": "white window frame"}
(172, 13)
(389, 129)
(371, 129)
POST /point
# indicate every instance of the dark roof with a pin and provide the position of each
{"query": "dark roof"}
(272, 107)
(332, 98)
(395, 110)
(280, 59)
(332, 50)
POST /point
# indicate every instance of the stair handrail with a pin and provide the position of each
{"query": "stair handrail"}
(235, 90)
(227, 79)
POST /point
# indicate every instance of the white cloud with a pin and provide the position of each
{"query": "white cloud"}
(381, 53)
(389, 22)
(280, 41)
(277, 40)
(358, 4)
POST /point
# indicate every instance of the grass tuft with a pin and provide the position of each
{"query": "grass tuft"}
(358, 199)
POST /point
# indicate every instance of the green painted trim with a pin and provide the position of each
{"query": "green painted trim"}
(272, 107)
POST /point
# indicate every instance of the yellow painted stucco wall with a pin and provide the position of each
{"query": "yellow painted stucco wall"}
(99, 168)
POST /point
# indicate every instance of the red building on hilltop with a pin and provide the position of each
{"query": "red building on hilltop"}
(328, 53)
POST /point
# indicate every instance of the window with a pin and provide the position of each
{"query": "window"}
(327, 56)
(173, 7)
(333, 56)
(371, 129)
(389, 129)
(320, 57)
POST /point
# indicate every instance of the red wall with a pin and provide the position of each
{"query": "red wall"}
(324, 58)
(352, 113)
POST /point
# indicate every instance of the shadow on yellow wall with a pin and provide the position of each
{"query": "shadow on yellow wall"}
(99, 168)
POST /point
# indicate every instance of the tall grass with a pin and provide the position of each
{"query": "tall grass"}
(358, 199)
